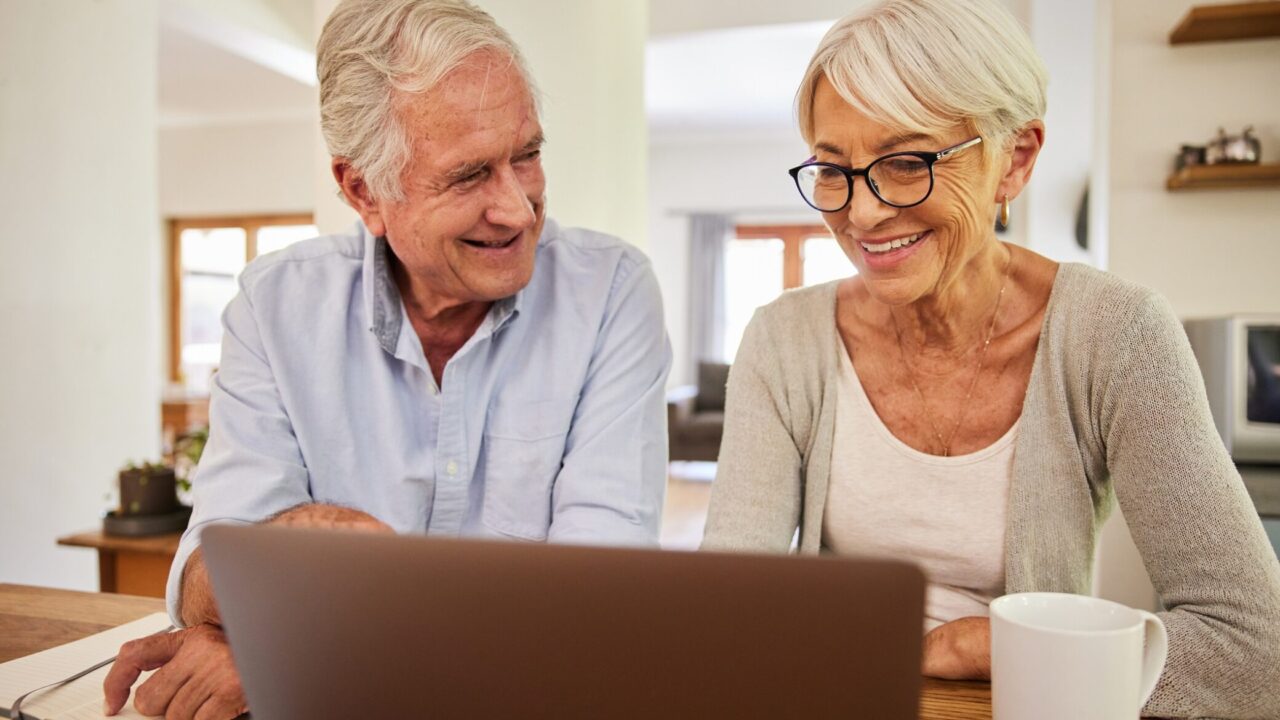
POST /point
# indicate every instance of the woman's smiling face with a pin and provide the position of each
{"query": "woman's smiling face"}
(938, 236)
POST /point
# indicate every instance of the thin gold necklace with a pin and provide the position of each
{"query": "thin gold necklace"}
(982, 356)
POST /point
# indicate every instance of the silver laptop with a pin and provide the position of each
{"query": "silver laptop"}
(341, 625)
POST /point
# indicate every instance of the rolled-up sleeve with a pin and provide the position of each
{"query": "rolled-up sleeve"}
(252, 466)
(612, 483)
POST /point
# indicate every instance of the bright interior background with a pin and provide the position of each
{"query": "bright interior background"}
(116, 115)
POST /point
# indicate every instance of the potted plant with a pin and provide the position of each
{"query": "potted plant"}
(186, 455)
(148, 502)
(147, 489)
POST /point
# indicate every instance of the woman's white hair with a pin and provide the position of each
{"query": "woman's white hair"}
(926, 66)
(370, 51)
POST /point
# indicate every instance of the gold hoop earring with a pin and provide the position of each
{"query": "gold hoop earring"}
(1004, 212)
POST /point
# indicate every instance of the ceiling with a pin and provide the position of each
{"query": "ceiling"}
(726, 83)
(201, 84)
(701, 80)
(674, 17)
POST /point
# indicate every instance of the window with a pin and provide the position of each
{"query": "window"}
(763, 260)
(205, 259)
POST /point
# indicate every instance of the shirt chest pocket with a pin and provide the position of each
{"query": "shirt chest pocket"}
(522, 453)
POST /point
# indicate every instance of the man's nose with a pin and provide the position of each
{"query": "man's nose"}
(510, 206)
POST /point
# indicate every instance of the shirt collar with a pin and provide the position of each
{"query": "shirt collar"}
(384, 309)
(381, 296)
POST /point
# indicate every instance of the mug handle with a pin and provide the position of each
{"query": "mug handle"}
(1155, 651)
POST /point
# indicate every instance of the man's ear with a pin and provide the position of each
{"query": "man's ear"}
(357, 195)
(1026, 148)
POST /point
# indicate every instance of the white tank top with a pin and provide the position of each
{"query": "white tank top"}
(945, 513)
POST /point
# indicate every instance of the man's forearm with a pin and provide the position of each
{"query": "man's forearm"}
(198, 604)
(320, 515)
(197, 594)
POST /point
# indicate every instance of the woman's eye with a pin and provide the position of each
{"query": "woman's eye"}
(905, 166)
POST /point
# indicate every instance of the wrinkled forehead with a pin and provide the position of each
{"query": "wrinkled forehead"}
(486, 89)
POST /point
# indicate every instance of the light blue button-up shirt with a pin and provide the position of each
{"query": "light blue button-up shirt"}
(550, 425)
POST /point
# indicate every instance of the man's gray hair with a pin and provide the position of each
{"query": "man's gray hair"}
(371, 53)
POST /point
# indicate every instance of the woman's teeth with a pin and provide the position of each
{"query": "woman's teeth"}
(892, 244)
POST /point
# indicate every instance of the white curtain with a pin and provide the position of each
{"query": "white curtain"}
(707, 236)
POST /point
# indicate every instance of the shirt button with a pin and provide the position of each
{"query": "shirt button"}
(451, 468)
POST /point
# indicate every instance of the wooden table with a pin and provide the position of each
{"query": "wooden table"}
(34, 619)
(129, 565)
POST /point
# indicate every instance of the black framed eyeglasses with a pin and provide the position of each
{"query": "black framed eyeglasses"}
(901, 179)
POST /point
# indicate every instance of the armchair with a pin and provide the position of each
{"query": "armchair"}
(695, 414)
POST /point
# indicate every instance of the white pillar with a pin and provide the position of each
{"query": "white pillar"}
(332, 212)
(587, 57)
(80, 279)
(1063, 34)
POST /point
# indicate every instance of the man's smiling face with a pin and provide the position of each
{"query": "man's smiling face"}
(474, 199)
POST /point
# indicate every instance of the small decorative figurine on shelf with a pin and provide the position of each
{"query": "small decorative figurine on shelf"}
(1242, 148)
(1189, 155)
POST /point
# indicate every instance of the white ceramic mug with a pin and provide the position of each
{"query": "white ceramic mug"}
(1065, 657)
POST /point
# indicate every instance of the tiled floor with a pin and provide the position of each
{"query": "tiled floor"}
(688, 491)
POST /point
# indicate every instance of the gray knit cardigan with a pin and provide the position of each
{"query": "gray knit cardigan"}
(1115, 409)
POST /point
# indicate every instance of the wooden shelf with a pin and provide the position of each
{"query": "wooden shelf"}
(1204, 177)
(1235, 21)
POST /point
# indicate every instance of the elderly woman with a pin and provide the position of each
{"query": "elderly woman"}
(972, 405)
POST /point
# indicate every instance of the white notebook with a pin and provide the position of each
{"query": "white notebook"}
(80, 699)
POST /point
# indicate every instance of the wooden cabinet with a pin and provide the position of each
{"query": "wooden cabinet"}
(183, 415)
(129, 565)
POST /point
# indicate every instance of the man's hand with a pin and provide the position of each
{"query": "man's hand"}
(959, 650)
(196, 678)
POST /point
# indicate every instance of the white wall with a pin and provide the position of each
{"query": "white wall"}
(79, 272)
(1209, 252)
(1063, 34)
(236, 169)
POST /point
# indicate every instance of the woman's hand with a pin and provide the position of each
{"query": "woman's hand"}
(959, 650)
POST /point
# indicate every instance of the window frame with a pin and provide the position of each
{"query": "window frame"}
(793, 237)
(251, 224)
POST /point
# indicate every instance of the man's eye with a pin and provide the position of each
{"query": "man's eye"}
(529, 156)
(471, 178)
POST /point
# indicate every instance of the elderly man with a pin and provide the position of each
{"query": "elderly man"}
(457, 365)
